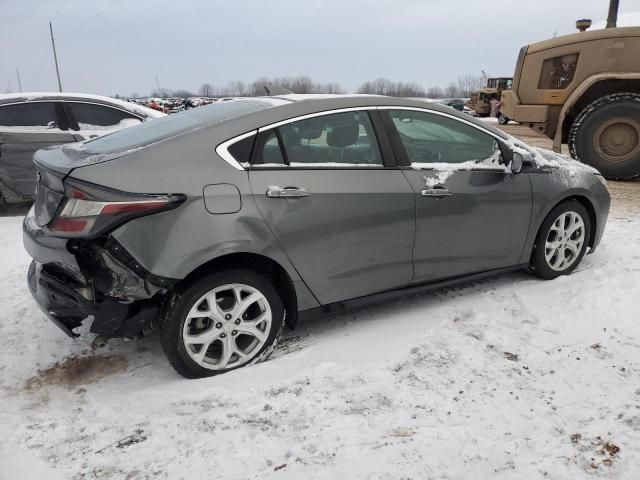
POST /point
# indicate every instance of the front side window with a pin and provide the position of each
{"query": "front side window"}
(98, 117)
(340, 139)
(558, 72)
(36, 115)
(429, 138)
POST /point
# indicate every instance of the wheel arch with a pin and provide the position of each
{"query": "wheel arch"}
(591, 210)
(582, 200)
(590, 90)
(258, 263)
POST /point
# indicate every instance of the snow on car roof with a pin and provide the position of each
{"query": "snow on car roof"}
(33, 96)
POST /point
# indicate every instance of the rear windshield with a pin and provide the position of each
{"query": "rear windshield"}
(157, 129)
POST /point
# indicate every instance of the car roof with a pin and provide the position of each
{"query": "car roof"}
(6, 98)
(222, 121)
(299, 105)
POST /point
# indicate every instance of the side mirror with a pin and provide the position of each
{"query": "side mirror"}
(516, 162)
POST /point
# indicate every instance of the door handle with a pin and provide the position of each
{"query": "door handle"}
(273, 191)
(436, 192)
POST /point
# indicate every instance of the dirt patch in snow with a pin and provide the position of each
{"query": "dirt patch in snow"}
(75, 371)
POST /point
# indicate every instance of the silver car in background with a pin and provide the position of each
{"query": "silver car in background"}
(31, 121)
(221, 225)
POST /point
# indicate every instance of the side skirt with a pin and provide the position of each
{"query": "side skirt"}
(347, 305)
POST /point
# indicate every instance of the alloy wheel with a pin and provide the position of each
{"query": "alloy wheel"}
(564, 241)
(227, 327)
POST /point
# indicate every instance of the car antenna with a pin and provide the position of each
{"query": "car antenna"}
(276, 90)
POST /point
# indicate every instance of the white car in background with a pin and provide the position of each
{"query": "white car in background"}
(31, 121)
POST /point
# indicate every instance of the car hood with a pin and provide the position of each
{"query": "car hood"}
(547, 158)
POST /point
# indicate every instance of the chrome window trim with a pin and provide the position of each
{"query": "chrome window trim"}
(313, 115)
(443, 114)
(223, 149)
(28, 101)
(379, 107)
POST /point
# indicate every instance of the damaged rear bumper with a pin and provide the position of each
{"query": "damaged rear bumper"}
(74, 282)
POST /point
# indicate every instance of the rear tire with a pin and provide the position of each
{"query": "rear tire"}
(562, 241)
(222, 322)
(502, 120)
(606, 135)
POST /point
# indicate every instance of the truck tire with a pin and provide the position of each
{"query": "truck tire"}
(606, 135)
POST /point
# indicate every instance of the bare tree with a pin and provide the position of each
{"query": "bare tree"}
(379, 86)
(183, 93)
(234, 88)
(162, 93)
(330, 87)
(469, 83)
(383, 86)
(435, 92)
(256, 89)
(300, 84)
(409, 89)
(451, 90)
(205, 90)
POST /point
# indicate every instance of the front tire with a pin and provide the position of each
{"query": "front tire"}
(606, 135)
(221, 322)
(562, 241)
(502, 120)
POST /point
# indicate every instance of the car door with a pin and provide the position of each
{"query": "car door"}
(24, 128)
(90, 120)
(341, 210)
(472, 211)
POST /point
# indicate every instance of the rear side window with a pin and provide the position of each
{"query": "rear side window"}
(428, 138)
(241, 150)
(33, 114)
(341, 139)
(89, 116)
(558, 72)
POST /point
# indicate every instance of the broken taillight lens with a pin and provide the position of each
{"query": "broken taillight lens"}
(89, 210)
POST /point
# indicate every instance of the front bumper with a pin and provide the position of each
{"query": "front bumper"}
(77, 284)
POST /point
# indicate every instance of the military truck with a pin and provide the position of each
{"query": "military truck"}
(583, 89)
(480, 100)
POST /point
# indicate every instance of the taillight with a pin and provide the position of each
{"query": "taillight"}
(89, 210)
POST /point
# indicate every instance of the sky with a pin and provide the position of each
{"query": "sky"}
(120, 46)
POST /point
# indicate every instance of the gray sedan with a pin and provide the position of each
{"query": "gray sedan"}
(221, 225)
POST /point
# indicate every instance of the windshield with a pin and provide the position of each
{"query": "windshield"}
(172, 125)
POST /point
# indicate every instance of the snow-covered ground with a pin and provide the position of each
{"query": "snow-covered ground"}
(508, 378)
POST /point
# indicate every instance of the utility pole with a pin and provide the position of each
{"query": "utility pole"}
(19, 83)
(157, 83)
(612, 19)
(55, 57)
